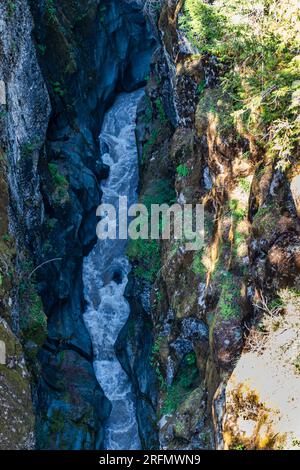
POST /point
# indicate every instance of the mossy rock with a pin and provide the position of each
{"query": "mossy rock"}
(16, 411)
(12, 344)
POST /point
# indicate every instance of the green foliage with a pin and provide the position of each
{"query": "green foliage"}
(58, 178)
(154, 361)
(197, 266)
(183, 385)
(61, 185)
(245, 185)
(239, 447)
(161, 191)
(147, 254)
(149, 112)
(42, 48)
(191, 358)
(230, 294)
(56, 422)
(58, 88)
(29, 147)
(237, 212)
(183, 170)
(33, 321)
(201, 87)
(51, 10)
(160, 127)
(11, 7)
(161, 112)
(256, 44)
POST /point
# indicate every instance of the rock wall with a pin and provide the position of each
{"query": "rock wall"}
(25, 110)
(211, 307)
(80, 55)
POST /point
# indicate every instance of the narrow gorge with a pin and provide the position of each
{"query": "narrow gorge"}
(135, 344)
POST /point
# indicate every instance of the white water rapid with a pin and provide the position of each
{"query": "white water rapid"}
(105, 274)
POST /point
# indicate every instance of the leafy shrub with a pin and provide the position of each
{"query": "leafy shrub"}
(183, 170)
(51, 10)
(256, 47)
(230, 294)
(61, 185)
(184, 383)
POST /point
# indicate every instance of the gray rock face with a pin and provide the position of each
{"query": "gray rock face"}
(26, 120)
(90, 52)
(24, 113)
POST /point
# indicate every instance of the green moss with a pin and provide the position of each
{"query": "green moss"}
(183, 170)
(61, 185)
(34, 324)
(237, 212)
(245, 185)
(145, 254)
(239, 447)
(42, 48)
(161, 112)
(150, 143)
(155, 359)
(198, 267)
(265, 220)
(16, 381)
(230, 295)
(12, 6)
(33, 321)
(58, 88)
(29, 147)
(183, 385)
(257, 56)
(51, 10)
(149, 112)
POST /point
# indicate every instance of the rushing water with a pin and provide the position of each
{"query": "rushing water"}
(105, 275)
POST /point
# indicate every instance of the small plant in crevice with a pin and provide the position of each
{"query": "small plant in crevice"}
(29, 147)
(41, 48)
(61, 184)
(201, 87)
(146, 254)
(198, 267)
(33, 321)
(102, 12)
(161, 112)
(51, 10)
(12, 6)
(58, 88)
(245, 185)
(183, 170)
(186, 380)
(229, 300)
(154, 361)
